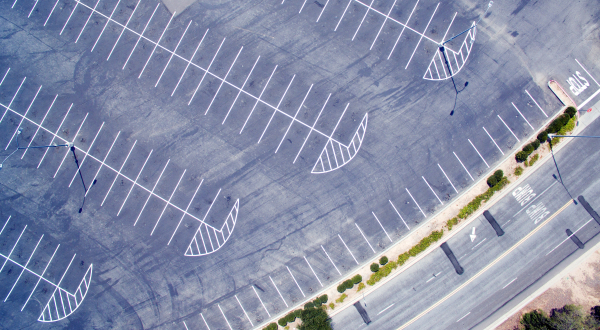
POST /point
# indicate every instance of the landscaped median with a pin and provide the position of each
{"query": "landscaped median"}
(458, 214)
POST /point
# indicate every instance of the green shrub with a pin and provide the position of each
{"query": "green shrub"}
(518, 170)
(360, 286)
(341, 298)
(348, 284)
(491, 181)
(271, 326)
(282, 322)
(374, 267)
(535, 320)
(476, 203)
(291, 317)
(298, 312)
(341, 288)
(542, 137)
(532, 161)
(521, 156)
(529, 148)
(332, 306)
(451, 223)
(309, 304)
(571, 111)
(558, 123)
(499, 174)
(383, 260)
(535, 144)
(320, 300)
(357, 279)
(403, 258)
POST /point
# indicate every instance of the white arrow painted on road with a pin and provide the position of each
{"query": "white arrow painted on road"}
(473, 236)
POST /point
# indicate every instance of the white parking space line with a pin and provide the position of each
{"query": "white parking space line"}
(239, 89)
(185, 325)
(386, 233)
(24, 267)
(311, 128)
(125, 27)
(398, 213)
(519, 111)
(363, 235)
(40, 277)
(207, 70)
(480, 156)
(168, 203)
(313, 271)
(534, 101)
(258, 99)
(6, 223)
(586, 71)
(139, 37)
(488, 134)
(448, 29)
(210, 207)
(186, 210)
(294, 119)
(13, 99)
(302, 7)
(119, 173)
(103, 162)
(86, 154)
(261, 302)
(68, 149)
(69, 19)
(328, 257)
(190, 62)
(348, 249)
(151, 192)
(387, 16)
(463, 165)
(248, 317)
(4, 77)
(533, 200)
(363, 19)
(293, 278)
(38, 128)
(23, 117)
(447, 178)
(156, 44)
(422, 35)
(87, 21)
(222, 81)
(278, 104)
(105, 24)
(569, 237)
(436, 196)
(203, 319)
(286, 304)
(411, 196)
(511, 132)
(322, 10)
(509, 283)
(51, 11)
(225, 317)
(13, 248)
(463, 317)
(343, 14)
(173, 53)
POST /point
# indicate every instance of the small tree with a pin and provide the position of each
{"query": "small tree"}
(357, 279)
(323, 299)
(314, 319)
(529, 148)
(271, 326)
(309, 304)
(499, 174)
(542, 137)
(571, 111)
(492, 181)
(348, 284)
(521, 156)
(374, 267)
(383, 260)
(535, 144)
(282, 321)
(535, 320)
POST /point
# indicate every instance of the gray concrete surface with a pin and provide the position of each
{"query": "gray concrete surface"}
(288, 217)
(413, 291)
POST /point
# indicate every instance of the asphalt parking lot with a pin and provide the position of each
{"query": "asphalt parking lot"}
(247, 154)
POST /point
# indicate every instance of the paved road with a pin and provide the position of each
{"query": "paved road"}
(170, 117)
(524, 211)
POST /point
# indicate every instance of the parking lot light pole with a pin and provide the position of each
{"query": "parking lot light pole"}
(19, 131)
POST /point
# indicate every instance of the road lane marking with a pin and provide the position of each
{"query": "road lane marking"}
(463, 317)
(526, 206)
(509, 283)
(385, 309)
(486, 268)
(569, 237)
(479, 243)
